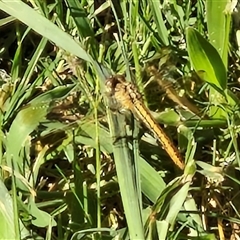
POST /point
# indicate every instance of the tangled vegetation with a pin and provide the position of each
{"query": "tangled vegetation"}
(73, 165)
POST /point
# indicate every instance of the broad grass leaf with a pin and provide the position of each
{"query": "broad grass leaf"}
(161, 206)
(56, 93)
(212, 173)
(176, 203)
(205, 59)
(126, 179)
(40, 218)
(28, 119)
(6, 214)
(7, 230)
(190, 207)
(162, 229)
(24, 123)
(218, 16)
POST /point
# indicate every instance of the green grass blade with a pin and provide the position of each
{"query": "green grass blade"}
(15, 207)
(158, 19)
(151, 182)
(126, 178)
(218, 21)
(33, 62)
(80, 19)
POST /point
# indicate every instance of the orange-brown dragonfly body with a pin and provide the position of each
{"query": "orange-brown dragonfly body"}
(128, 96)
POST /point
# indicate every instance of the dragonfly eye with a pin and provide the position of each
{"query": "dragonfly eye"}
(112, 82)
(109, 84)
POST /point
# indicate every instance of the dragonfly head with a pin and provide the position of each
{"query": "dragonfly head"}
(112, 84)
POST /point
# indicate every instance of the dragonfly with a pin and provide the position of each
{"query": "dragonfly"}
(127, 95)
